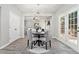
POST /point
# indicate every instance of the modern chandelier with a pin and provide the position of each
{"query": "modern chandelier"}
(37, 12)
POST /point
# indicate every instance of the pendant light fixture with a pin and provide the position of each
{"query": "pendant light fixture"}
(37, 12)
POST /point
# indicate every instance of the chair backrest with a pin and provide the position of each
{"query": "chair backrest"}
(47, 36)
(29, 34)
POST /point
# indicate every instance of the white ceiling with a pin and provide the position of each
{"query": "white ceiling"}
(42, 8)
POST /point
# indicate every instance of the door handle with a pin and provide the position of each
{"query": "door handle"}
(15, 29)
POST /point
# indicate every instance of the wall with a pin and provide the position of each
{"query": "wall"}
(4, 25)
(18, 13)
(54, 27)
(14, 26)
(64, 11)
(5, 10)
(0, 23)
(14, 23)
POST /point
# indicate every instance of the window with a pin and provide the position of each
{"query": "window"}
(62, 25)
(73, 24)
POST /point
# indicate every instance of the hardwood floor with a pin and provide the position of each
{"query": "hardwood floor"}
(19, 47)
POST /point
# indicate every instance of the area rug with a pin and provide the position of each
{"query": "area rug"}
(38, 50)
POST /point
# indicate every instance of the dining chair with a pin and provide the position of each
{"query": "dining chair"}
(31, 39)
(47, 40)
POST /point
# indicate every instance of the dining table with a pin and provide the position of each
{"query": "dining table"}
(39, 35)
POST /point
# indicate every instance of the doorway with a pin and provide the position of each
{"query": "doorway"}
(43, 21)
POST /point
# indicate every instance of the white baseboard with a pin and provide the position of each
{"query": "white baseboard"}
(7, 44)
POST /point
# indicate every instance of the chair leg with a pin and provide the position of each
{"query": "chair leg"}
(28, 43)
(31, 45)
(34, 43)
(46, 45)
(42, 43)
(50, 43)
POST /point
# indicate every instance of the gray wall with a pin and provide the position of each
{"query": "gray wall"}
(0, 23)
(4, 22)
(4, 25)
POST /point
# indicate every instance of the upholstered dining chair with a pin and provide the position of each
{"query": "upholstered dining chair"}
(46, 40)
(31, 39)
